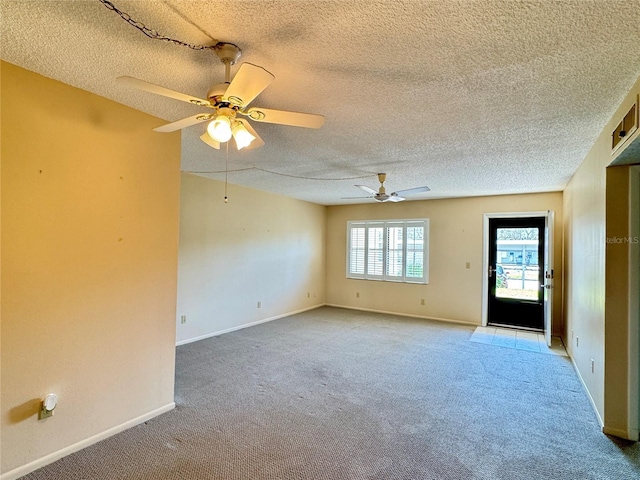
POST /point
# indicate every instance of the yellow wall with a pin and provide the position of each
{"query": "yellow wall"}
(618, 254)
(456, 237)
(585, 227)
(259, 247)
(90, 205)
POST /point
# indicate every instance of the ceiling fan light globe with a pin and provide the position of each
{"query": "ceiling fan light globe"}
(220, 129)
(242, 136)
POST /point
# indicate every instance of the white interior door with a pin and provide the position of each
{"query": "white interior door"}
(548, 276)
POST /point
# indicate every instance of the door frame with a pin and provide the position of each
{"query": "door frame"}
(633, 402)
(485, 257)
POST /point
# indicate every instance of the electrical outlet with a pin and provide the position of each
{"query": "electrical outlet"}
(593, 366)
(259, 304)
(357, 294)
(308, 294)
(468, 265)
(183, 319)
(577, 341)
(422, 301)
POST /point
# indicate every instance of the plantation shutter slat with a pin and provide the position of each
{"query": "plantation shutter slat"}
(415, 250)
(394, 253)
(375, 251)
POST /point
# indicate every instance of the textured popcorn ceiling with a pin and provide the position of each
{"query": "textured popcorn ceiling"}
(468, 97)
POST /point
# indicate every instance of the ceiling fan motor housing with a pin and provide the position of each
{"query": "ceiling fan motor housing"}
(215, 93)
(230, 113)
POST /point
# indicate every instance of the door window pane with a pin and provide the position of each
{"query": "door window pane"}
(517, 263)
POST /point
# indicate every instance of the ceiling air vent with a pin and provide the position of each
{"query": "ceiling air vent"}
(625, 128)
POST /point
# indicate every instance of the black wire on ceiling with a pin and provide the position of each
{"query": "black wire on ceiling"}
(281, 174)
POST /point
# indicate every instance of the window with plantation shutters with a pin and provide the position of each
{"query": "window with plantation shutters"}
(388, 250)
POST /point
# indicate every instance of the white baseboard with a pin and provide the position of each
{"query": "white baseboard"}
(423, 317)
(628, 434)
(52, 457)
(244, 325)
(584, 386)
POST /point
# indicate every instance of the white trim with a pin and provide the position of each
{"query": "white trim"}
(584, 387)
(244, 325)
(52, 457)
(485, 252)
(548, 263)
(422, 317)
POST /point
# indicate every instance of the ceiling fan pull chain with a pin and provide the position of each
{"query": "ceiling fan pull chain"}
(153, 33)
(226, 174)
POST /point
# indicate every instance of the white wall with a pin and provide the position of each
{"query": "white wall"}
(259, 247)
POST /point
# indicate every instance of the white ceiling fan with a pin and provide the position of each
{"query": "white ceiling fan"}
(228, 101)
(382, 196)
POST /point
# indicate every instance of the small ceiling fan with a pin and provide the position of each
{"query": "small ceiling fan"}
(382, 196)
(228, 101)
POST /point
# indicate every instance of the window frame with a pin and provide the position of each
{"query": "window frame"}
(352, 225)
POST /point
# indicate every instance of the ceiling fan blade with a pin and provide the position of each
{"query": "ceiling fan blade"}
(367, 189)
(210, 141)
(281, 117)
(185, 122)
(258, 142)
(353, 198)
(247, 84)
(395, 198)
(411, 191)
(158, 90)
